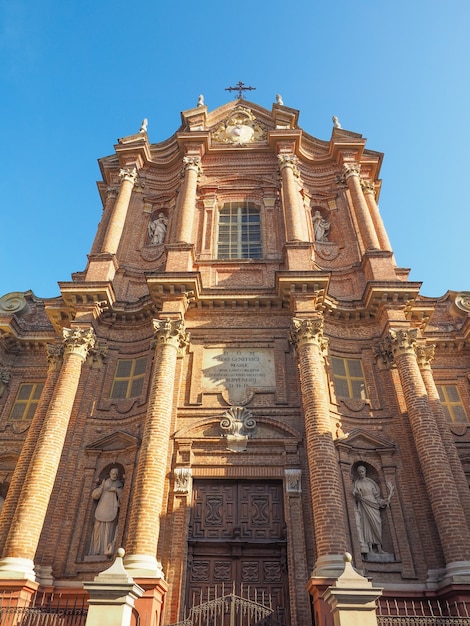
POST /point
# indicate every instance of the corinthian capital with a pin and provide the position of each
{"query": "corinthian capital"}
(305, 331)
(171, 332)
(192, 163)
(78, 341)
(368, 186)
(402, 341)
(55, 352)
(425, 355)
(288, 160)
(351, 169)
(128, 173)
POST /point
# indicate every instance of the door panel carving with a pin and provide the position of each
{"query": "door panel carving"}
(237, 543)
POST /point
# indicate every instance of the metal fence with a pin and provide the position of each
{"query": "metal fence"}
(431, 612)
(45, 609)
(228, 609)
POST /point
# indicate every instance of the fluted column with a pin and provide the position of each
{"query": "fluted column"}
(440, 485)
(364, 218)
(187, 199)
(23, 535)
(115, 226)
(147, 500)
(425, 355)
(325, 483)
(296, 229)
(368, 189)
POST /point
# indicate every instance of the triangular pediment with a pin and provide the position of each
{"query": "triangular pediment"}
(361, 440)
(116, 441)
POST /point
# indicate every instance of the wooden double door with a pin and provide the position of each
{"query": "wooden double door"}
(237, 544)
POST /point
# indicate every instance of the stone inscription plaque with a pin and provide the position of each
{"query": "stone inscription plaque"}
(239, 371)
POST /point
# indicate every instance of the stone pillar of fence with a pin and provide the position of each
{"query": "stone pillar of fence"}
(112, 596)
(352, 598)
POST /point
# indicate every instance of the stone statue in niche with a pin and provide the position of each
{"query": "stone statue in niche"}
(157, 229)
(321, 227)
(108, 494)
(369, 504)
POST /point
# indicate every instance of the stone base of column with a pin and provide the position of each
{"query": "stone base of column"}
(143, 566)
(101, 267)
(180, 257)
(16, 568)
(299, 255)
(44, 575)
(328, 566)
(458, 572)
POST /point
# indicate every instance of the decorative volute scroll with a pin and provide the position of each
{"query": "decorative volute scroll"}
(238, 425)
(240, 128)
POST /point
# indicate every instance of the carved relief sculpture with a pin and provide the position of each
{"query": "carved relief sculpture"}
(108, 494)
(368, 506)
(321, 227)
(157, 229)
(240, 128)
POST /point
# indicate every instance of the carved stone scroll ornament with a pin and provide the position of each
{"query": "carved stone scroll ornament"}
(238, 425)
(14, 302)
(183, 477)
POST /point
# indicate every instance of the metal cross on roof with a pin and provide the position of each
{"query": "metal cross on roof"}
(240, 87)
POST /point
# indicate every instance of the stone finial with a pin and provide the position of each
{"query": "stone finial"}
(200, 101)
(336, 123)
(117, 571)
(279, 99)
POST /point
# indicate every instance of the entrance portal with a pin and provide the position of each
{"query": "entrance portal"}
(237, 545)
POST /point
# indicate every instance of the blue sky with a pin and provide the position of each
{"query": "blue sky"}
(75, 76)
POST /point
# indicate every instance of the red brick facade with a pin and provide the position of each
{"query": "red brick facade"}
(215, 382)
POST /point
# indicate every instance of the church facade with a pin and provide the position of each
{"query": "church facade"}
(240, 387)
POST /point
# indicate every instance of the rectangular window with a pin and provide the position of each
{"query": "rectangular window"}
(348, 378)
(239, 231)
(26, 401)
(452, 403)
(129, 378)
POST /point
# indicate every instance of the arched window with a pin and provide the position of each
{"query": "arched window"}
(239, 231)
